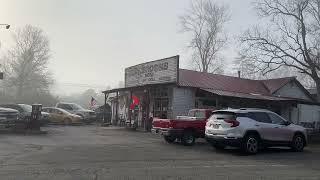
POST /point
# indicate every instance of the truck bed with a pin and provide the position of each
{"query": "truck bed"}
(193, 124)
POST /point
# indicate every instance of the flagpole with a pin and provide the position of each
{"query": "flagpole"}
(104, 109)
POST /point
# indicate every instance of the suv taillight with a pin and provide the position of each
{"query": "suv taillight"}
(233, 122)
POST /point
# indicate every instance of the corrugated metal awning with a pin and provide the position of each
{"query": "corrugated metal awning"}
(246, 96)
(136, 87)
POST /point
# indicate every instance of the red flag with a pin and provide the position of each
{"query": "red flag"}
(135, 101)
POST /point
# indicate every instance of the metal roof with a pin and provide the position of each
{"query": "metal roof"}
(135, 88)
(275, 84)
(190, 78)
(227, 85)
(247, 96)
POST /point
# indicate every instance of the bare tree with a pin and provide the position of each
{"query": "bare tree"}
(205, 21)
(291, 38)
(27, 62)
(248, 69)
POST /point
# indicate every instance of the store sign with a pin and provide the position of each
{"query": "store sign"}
(155, 72)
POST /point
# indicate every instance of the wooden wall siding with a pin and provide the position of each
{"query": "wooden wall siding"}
(309, 113)
(182, 101)
(292, 90)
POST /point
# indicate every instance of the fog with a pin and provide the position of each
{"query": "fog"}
(93, 41)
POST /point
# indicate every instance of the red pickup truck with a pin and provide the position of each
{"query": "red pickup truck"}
(184, 128)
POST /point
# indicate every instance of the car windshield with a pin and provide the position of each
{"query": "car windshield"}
(76, 107)
(26, 107)
(63, 111)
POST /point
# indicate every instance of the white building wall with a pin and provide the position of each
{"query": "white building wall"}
(306, 114)
(183, 99)
(295, 115)
(292, 90)
(122, 109)
(303, 113)
(309, 113)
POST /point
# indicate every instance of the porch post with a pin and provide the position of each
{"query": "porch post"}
(105, 107)
(117, 107)
(130, 111)
(147, 122)
(290, 110)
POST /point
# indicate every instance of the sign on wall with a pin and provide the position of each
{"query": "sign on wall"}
(154, 72)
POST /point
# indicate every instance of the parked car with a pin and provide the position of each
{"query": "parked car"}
(251, 129)
(8, 117)
(184, 128)
(86, 114)
(25, 112)
(62, 116)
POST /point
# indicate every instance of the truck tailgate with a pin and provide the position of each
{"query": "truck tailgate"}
(161, 123)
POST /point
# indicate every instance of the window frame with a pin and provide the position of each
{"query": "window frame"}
(252, 115)
(63, 106)
(279, 117)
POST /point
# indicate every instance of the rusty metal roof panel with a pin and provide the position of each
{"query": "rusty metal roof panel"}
(275, 84)
(247, 96)
(221, 82)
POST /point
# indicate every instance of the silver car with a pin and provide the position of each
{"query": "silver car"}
(251, 129)
(86, 114)
(8, 116)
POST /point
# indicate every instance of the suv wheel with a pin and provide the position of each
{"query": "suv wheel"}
(297, 143)
(188, 138)
(250, 144)
(169, 139)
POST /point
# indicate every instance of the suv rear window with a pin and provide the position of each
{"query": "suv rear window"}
(223, 115)
(227, 115)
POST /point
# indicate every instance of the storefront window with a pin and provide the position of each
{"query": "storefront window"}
(161, 102)
(197, 114)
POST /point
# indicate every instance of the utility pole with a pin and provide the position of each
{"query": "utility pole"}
(7, 26)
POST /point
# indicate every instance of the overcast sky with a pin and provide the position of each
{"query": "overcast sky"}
(92, 41)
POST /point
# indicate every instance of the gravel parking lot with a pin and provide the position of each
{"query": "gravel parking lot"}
(91, 152)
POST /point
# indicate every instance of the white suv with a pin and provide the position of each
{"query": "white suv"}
(251, 129)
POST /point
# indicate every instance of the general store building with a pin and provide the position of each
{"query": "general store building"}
(166, 91)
